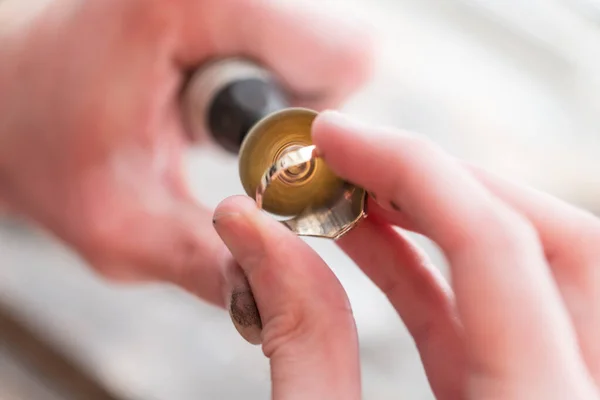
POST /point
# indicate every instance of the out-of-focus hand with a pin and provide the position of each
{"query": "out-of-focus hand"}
(520, 319)
(91, 136)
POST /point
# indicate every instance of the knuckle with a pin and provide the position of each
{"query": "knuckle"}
(495, 226)
(390, 287)
(425, 332)
(281, 332)
(293, 332)
(507, 228)
(413, 147)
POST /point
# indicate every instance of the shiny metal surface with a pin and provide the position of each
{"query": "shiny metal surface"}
(332, 219)
(266, 143)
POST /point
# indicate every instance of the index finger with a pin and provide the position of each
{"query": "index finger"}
(498, 269)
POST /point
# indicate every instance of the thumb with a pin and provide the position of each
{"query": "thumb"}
(308, 331)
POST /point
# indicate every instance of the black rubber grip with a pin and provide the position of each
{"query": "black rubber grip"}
(239, 106)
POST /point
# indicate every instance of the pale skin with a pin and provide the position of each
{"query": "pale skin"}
(519, 320)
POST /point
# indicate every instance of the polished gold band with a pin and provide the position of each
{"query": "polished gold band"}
(289, 160)
(331, 221)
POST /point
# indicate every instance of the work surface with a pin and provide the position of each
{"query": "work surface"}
(515, 100)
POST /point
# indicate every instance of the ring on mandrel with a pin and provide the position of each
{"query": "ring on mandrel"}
(281, 169)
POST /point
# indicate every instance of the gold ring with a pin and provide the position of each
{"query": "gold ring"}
(331, 220)
(295, 158)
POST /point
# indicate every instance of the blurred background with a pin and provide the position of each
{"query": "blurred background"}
(511, 85)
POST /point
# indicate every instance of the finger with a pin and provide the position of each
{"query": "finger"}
(495, 257)
(308, 329)
(167, 242)
(4, 208)
(419, 294)
(319, 57)
(570, 237)
(559, 224)
(387, 213)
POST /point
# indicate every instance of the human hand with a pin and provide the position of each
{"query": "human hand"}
(91, 136)
(520, 319)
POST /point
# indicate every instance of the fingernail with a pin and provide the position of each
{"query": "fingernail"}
(221, 215)
(241, 304)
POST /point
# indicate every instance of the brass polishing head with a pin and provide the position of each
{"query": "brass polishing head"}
(312, 184)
